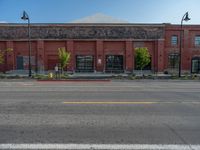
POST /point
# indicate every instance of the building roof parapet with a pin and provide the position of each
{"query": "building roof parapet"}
(82, 31)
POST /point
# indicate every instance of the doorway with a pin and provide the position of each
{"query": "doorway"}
(114, 63)
(195, 65)
(20, 62)
(84, 63)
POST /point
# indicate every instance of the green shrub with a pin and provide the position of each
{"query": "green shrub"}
(186, 77)
(64, 76)
(40, 76)
(2, 76)
(174, 77)
(132, 77)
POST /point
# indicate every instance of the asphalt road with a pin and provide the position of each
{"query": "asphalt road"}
(145, 112)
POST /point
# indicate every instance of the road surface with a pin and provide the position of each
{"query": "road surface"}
(127, 113)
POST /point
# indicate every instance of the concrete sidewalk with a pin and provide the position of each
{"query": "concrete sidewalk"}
(23, 75)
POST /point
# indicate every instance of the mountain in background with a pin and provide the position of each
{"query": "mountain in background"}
(99, 18)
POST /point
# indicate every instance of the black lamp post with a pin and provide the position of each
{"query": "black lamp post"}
(26, 17)
(184, 18)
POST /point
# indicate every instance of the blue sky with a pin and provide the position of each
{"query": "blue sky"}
(133, 11)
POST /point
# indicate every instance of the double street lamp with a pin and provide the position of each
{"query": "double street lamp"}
(184, 18)
(26, 17)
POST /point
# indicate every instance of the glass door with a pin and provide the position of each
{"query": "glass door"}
(195, 65)
(114, 63)
(84, 63)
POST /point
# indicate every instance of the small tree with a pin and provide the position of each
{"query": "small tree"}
(1, 57)
(3, 53)
(142, 57)
(64, 57)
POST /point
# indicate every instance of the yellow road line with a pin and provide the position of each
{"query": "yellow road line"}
(81, 102)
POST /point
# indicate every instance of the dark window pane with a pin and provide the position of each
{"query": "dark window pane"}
(196, 65)
(173, 61)
(114, 63)
(84, 63)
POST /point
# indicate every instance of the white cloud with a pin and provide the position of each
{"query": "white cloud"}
(3, 22)
(99, 18)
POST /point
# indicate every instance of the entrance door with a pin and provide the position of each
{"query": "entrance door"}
(114, 63)
(20, 63)
(195, 65)
(84, 63)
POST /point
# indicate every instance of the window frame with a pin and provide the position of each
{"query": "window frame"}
(197, 41)
(114, 63)
(173, 41)
(193, 69)
(85, 63)
(175, 59)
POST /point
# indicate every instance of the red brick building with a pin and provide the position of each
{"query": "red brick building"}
(101, 47)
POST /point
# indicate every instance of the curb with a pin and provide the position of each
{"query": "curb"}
(76, 80)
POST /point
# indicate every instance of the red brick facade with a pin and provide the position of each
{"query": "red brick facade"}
(189, 49)
(98, 41)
